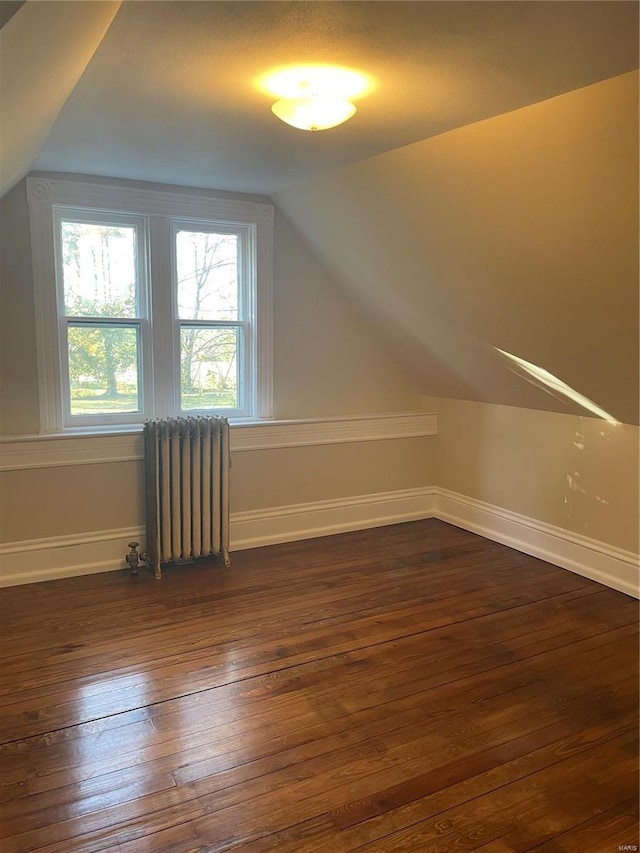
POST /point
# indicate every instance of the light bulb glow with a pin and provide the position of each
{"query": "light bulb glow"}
(322, 81)
(314, 97)
(313, 113)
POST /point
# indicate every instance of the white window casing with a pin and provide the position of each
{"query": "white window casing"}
(157, 215)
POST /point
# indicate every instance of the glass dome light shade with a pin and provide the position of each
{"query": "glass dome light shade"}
(313, 113)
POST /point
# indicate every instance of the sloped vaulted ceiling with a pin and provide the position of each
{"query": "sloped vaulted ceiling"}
(44, 48)
(516, 234)
(170, 94)
(509, 225)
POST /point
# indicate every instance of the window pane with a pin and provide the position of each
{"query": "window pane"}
(209, 368)
(207, 269)
(103, 369)
(99, 269)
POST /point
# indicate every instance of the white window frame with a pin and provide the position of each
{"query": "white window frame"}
(141, 320)
(161, 211)
(247, 314)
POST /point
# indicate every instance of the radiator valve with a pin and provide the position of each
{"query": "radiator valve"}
(134, 558)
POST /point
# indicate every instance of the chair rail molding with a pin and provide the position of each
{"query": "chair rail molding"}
(77, 448)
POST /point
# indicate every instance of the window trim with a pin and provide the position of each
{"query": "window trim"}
(162, 208)
(141, 320)
(247, 316)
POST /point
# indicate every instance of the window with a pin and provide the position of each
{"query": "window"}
(211, 312)
(103, 315)
(149, 304)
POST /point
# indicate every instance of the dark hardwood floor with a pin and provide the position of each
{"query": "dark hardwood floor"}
(410, 689)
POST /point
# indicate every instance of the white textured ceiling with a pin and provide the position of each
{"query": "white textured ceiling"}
(169, 95)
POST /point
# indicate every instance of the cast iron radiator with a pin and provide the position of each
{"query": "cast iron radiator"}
(187, 465)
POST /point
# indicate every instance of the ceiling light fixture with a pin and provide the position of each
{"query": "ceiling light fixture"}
(313, 113)
(315, 97)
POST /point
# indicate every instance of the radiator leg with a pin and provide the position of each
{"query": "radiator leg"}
(157, 571)
(226, 557)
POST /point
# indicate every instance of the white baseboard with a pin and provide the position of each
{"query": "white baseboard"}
(591, 558)
(65, 556)
(322, 518)
(58, 557)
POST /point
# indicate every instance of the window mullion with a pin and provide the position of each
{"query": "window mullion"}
(165, 373)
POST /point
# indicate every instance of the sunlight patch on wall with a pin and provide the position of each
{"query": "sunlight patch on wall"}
(548, 382)
(574, 482)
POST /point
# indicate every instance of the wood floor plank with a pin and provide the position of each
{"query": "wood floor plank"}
(612, 829)
(221, 714)
(468, 791)
(215, 634)
(489, 820)
(24, 718)
(408, 688)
